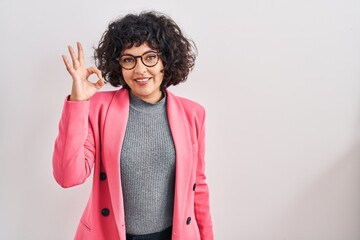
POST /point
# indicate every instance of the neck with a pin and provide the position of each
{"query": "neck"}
(150, 99)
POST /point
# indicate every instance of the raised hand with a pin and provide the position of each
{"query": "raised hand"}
(82, 88)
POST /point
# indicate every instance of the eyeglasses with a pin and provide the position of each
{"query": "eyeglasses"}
(149, 59)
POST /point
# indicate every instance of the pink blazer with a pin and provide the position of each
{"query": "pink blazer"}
(90, 136)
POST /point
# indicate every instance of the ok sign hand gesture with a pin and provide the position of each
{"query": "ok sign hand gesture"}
(82, 88)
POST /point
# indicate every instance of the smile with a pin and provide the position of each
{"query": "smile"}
(142, 79)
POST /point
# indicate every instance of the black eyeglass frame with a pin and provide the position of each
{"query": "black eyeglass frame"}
(141, 58)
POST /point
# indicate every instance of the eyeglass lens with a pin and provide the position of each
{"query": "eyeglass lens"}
(149, 59)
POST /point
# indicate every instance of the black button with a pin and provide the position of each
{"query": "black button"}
(105, 212)
(188, 220)
(194, 186)
(102, 176)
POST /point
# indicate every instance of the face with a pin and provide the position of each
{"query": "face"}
(144, 81)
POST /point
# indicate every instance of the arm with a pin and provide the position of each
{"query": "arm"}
(202, 203)
(74, 150)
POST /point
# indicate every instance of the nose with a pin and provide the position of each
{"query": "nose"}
(140, 68)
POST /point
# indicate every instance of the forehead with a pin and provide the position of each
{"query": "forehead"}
(137, 50)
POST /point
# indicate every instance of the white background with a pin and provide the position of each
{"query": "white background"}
(281, 84)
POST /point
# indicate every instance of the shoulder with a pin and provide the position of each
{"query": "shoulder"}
(103, 99)
(190, 107)
(103, 96)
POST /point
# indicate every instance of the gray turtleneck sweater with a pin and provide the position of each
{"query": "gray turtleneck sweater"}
(147, 165)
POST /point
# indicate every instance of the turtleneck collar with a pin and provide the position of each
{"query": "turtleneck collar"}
(143, 106)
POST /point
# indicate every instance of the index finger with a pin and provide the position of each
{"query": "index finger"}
(95, 70)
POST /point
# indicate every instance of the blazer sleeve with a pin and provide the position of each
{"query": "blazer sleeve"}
(74, 149)
(201, 200)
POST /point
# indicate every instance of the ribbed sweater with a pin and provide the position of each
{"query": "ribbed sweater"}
(147, 165)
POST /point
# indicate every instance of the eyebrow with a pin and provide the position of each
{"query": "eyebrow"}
(149, 50)
(129, 54)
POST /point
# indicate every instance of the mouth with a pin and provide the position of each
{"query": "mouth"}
(142, 80)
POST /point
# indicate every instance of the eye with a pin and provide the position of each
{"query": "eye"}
(127, 59)
(150, 56)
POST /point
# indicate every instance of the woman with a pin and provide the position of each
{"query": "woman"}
(145, 144)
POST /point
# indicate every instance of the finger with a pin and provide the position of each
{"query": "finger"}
(80, 53)
(67, 64)
(95, 70)
(73, 57)
(99, 83)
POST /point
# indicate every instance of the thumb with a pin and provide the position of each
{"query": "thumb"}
(99, 83)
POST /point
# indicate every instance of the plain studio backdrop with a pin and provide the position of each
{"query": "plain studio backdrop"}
(281, 84)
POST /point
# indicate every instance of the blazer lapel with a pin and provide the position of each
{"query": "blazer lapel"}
(114, 132)
(180, 132)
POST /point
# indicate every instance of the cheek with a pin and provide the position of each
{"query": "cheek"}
(125, 74)
(157, 74)
(158, 71)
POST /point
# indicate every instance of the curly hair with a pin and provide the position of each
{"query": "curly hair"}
(160, 32)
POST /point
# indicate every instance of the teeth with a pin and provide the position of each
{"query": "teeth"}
(142, 80)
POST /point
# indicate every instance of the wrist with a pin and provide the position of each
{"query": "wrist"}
(75, 99)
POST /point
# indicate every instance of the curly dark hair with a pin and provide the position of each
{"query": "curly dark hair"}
(160, 32)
